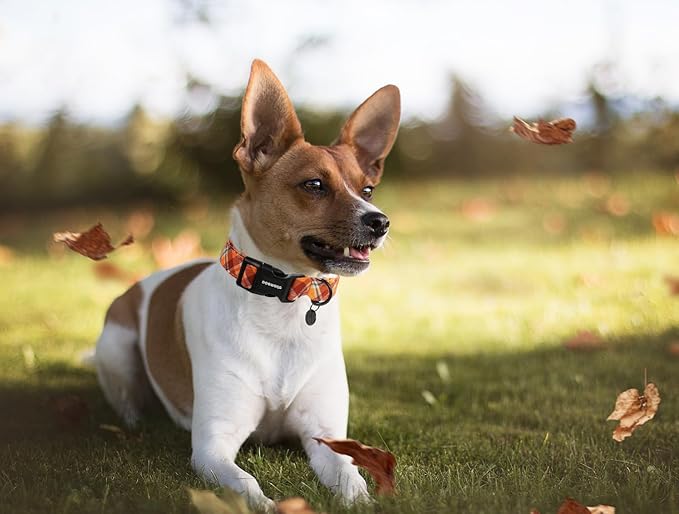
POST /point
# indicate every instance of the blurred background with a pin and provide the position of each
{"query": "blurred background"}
(521, 289)
(115, 102)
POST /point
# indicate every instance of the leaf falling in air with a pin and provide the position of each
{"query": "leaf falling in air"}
(584, 341)
(556, 132)
(379, 463)
(94, 243)
(633, 410)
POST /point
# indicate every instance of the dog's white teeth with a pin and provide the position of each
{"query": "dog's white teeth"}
(347, 252)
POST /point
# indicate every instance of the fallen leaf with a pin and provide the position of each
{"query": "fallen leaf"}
(294, 506)
(70, 410)
(379, 463)
(109, 271)
(602, 509)
(584, 341)
(673, 283)
(95, 243)
(478, 209)
(6, 255)
(556, 132)
(666, 223)
(570, 506)
(171, 252)
(673, 348)
(554, 223)
(617, 204)
(633, 410)
(207, 502)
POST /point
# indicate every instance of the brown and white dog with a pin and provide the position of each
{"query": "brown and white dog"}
(228, 364)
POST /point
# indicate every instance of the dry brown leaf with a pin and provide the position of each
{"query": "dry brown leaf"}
(294, 506)
(633, 410)
(585, 341)
(6, 255)
(570, 506)
(666, 223)
(602, 509)
(673, 348)
(478, 209)
(556, 132)
(109, 271)
(673, 283)
(70, 410)
(95, 243)
(379, 463)
(617, 204)
(171, 252)
(554, 223)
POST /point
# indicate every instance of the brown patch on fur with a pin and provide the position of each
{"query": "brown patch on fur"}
(124, 310)
(275, 161)
(166, 354)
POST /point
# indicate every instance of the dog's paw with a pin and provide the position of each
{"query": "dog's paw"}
(354, 491)
(263, 504)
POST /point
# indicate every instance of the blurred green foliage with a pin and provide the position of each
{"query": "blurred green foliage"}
(71, 163)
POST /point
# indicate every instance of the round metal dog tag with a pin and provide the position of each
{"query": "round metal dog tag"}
(310, 317)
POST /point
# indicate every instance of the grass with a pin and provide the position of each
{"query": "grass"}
(481, 286)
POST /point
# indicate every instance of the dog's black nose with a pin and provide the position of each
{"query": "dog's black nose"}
(377, 222)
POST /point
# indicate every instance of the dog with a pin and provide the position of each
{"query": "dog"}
(249, 346)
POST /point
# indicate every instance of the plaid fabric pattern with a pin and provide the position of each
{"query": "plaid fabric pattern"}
(315, 288)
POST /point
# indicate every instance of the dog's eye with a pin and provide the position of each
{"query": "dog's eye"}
(367, 192)
(313, 186)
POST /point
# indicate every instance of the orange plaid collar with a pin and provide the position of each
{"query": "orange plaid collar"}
(261, 278)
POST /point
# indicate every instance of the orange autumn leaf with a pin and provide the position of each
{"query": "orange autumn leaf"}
(556, 132)
(94, 243)
(584, 341)
(633, 410)
(294, 505)
(379, 463)
(673, 283)
(570, 506)
(673, 348)
(666, 223)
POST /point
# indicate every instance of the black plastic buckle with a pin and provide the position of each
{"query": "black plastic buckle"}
(268, 281)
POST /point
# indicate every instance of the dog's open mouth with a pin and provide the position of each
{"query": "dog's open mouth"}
(320, 251)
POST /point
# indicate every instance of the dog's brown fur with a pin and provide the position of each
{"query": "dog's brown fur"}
(275, 160)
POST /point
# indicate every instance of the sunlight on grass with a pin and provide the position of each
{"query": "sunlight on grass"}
(489, 277)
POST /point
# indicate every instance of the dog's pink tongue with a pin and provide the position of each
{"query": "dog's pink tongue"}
(361, 254)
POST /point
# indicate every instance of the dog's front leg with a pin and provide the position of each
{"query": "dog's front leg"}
(321, 409)
(225, 413)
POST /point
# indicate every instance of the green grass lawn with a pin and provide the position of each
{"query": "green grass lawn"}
(490, 288)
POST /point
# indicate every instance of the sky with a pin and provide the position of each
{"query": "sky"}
(98, 58)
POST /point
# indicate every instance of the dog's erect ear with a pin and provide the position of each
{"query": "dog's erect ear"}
(268, 123)
(371, 129)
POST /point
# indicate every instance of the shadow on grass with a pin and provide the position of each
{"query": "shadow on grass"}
(494, 411)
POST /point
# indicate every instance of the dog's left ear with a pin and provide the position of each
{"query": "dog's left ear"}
(269, 124)
(371, 130)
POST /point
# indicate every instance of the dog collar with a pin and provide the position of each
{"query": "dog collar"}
(264, 279)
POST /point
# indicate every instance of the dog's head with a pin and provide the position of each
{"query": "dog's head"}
(311, 206)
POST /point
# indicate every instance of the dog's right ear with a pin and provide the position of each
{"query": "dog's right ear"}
(268, 123)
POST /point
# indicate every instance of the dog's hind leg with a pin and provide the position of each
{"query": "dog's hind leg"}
(120, 369)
